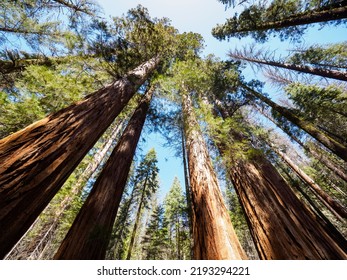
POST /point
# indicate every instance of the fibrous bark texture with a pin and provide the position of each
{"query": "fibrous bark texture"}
(213, 234)
(89, 235)
(36, 161)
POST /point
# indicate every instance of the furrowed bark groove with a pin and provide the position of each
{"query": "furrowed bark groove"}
(213, 234)
(89, 235)
(36, 161)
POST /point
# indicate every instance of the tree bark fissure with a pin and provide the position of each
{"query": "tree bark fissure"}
(90, 233)
(213, 233)
(282, 227)
(38, 159)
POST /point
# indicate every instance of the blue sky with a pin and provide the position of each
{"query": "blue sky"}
(201, 16)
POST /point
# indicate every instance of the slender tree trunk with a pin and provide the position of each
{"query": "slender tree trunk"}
(118, 241)
(337, 170)
(296, 187)
(326, 73)
(90, 233)
(282, 227)
(213, 234)
(137, 221)
(178, 238)
(37, 160)
(333, 205)
(333, 145)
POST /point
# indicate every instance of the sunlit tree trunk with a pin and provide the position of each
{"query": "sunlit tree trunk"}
(336, 147)
(213, 234)
(90, 233)
(37, 160)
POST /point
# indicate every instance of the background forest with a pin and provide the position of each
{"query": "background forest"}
(261, 134)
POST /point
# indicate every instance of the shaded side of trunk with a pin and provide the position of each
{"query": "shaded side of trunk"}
(281, 226)
(337, 148)
(326, 73)
(90, 233)
(187, 185)
(66, 203)
(337, 170)
(37, 160)
(213, 234)
(333, 205)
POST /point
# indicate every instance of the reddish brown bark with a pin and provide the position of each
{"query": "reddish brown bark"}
(90, 233)
(282, 227)
(213, 234)
(36, 161)
(336, 147)
(332, 204)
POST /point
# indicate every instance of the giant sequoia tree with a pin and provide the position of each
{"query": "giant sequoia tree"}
(90, 233)
(206, 109)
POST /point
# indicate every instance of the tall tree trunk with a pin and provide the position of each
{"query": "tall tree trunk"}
(118, 240)
(90, 233)
(334, 11)
(296, 187)
(137, 221)
(282, 227)
(337, 170)
(333, 145)
(38, 159)
(213, 234)
(66, 203)
(333, 205)
(326, 73)
(187, 185)
(43, 239)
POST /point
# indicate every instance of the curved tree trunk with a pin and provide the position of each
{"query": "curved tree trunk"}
(282, 227)
(90, 233)
(37, 160)
(213, 234)
(336, 147)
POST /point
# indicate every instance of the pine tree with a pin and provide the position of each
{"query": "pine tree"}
(176, 215)
(155, 241)
(146, 184)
